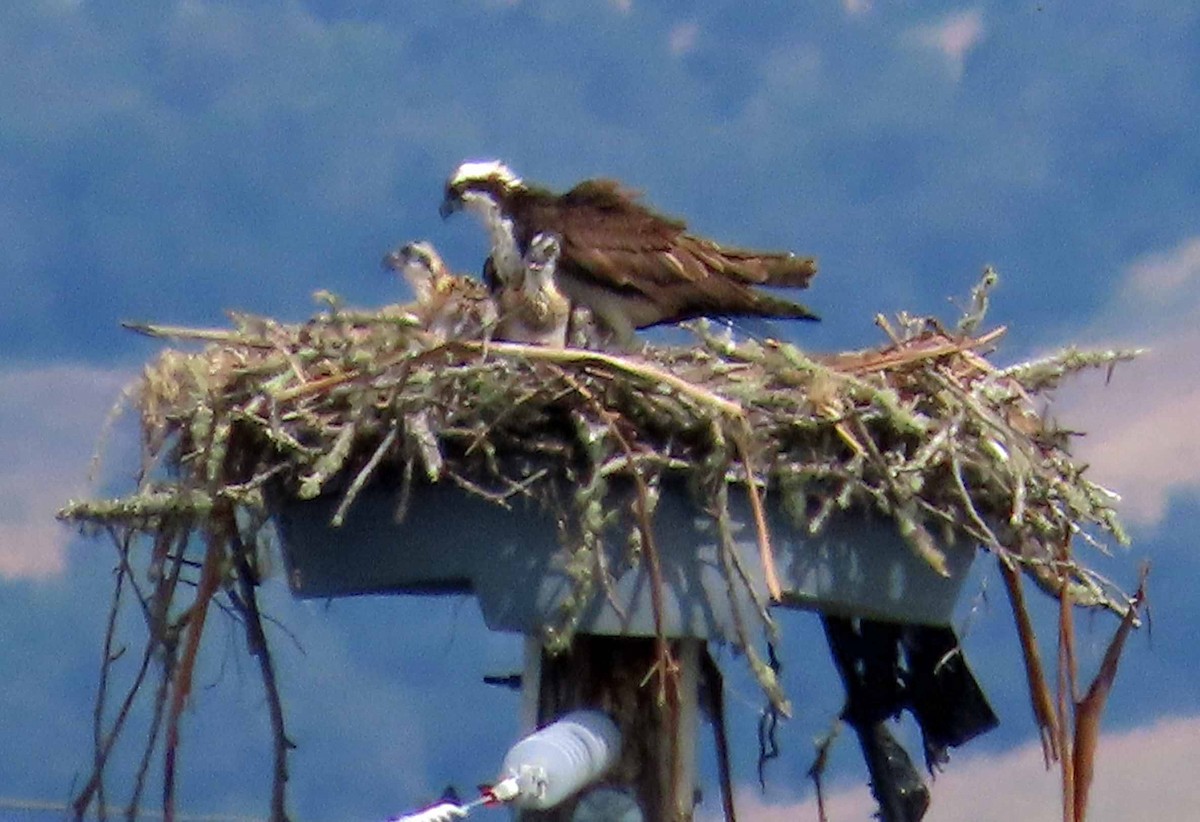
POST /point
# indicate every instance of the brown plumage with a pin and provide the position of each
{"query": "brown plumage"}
(632, 267)
(447, 305)
(532, 309)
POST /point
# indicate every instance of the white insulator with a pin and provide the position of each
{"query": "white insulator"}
(444, 812)
(562, 758)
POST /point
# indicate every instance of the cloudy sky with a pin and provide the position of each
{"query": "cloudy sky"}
(165, 160)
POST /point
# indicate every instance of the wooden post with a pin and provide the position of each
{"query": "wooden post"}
(614, 674)
(511, 561)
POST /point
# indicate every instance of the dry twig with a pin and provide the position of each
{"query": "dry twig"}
(923, 429)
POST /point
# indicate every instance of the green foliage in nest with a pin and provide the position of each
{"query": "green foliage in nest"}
(923, 429)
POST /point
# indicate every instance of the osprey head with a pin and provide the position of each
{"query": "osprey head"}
(420, 264)
(478, 182)
(543, 253)
(541, 262)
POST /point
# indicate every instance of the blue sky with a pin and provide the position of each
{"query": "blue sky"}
(170, 160)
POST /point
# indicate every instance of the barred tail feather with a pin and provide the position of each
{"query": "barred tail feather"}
(790, 271)
(782, 269)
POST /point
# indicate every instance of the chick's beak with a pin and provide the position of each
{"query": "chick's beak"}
(397, 258)
(450, 205)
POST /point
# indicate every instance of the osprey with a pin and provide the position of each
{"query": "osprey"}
(532, 309)
(447, 305)
(632, 267)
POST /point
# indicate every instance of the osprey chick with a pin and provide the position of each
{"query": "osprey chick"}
(632, 267)
(447, 305)
(532, 309)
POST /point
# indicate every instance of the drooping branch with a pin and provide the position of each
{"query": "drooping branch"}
(245, 601)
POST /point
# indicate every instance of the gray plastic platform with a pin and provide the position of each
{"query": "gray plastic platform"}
(453, 542)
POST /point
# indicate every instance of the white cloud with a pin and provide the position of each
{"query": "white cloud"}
(1141, 425)
(683, 37)
(623, 6)
(1141, 428)
(857, 8)
(49, 422)
(1147, 768)
(953, 37)
(1162, 278)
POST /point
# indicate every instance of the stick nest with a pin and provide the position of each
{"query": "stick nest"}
(924, 429)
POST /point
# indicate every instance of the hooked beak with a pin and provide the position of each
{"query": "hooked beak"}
(450, 205)
(397, 258)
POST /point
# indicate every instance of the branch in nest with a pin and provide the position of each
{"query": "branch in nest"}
(213, 335)
(628, 367)
(727, 548)
(1042, 374)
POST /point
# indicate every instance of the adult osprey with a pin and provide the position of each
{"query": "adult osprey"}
(447, 305)
(532, 309)
(632, 267)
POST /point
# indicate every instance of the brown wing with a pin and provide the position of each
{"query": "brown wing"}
(611, 240)
(775, 268)
(608, 235)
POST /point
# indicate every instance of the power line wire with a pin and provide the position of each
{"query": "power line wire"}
(8, 803)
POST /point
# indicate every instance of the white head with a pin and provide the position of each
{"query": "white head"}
(478, 181)
(483, 170)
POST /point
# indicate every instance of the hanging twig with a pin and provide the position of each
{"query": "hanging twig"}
(1039, 693)
(727, 548)
(246, 603)
(1066, 702)
(668, 673)
(816, 771)
(102, 688)
(210, 580)
(156, 643)
(1089, 709)
(765, 554)
(160, 701)
(667, 668)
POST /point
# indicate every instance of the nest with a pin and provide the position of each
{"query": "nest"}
(924, 429)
